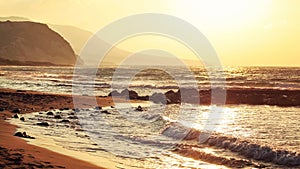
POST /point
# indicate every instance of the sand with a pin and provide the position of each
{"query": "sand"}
(15, 152)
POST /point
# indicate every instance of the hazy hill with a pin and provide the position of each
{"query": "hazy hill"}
(76, 36)
(33, 43)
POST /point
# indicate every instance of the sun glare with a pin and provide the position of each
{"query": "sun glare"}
(229, 13)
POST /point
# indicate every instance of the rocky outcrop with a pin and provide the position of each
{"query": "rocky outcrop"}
(30, 43)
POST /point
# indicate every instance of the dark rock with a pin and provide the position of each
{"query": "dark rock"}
(22, 119)
(65, 121)
(139, 108)
(50, 113)
(57, 116)
(16, 110)
(98, 107)
(173, 97)
(51, 108)
(105, 112)
(112, 107)
(72, 117)
(23, 135)
(1, 109)
(16, 116)
(45, 124)
(19, 134)
(129, 94)
(76, 110)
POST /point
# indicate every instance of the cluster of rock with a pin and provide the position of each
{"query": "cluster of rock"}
(231, 96)
(23, 135)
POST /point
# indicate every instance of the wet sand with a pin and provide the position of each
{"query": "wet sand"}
(14, 151)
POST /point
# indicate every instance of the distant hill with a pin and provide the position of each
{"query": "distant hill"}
(76, 36)
(33, 43)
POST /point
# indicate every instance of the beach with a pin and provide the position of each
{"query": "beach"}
(256, 127)
(15, 152)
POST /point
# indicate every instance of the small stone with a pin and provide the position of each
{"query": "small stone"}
(72, 117)
(45, 124)
(57, 116)
(22, 119)
(98, 107)
(105, 112)
(1, 109)
(65, 121)
(16, 116)
(139, 108)
(50, 113)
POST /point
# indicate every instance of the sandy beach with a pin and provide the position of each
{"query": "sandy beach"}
(15, 152)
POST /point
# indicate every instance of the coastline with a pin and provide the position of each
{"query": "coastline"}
(16, 152)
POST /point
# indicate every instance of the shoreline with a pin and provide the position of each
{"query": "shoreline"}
(17, 152)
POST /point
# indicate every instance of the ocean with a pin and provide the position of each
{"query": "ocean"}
(167, 136)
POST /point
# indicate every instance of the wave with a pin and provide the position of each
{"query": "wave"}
(248, 149)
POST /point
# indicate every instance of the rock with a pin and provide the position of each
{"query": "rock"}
(172, 97)
(1, 109)
(16, 116)
(105, 112)
(19, 134)
(51, 108)
(76, 110)
(57, 116)
(139, 108)
(112, 107)
(16, 110)
(129, 94)
(22, 119)
(23, 135)
(98, 107)
(45, 124)
(72, 117)
(50, 113)
(65, 121)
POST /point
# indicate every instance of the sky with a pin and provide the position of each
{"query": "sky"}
(242, 32)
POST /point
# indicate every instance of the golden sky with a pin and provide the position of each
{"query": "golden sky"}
(243, 32)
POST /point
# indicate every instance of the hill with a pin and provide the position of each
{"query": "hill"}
(30, 42)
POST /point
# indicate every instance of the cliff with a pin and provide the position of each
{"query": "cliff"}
(31, 43)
